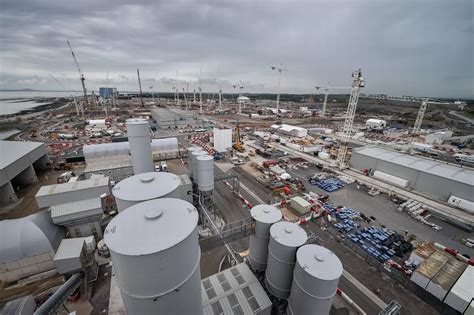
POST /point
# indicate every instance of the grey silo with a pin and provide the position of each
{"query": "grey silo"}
(138, 132)
(194, 166)
(285, 239)
(156, 256)
(146, 186)
(190, 164)
(264, 216)
(315, 281)
(205, 170)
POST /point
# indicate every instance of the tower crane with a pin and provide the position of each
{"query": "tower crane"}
(241, 87)
(81, 75)
(358, 82)
(280, 70)
(326, 93)
(140, 86)
(185, 99)
(78, 107)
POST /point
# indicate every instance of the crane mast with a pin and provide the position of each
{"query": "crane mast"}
(357, 83)
(78, 107)
(140, 86)
(420, 116)
(81, 75)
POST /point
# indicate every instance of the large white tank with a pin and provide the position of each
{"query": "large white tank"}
(138, 131)
(205, 170)
(155, 254)
(194, 156)
(190, 163)
(316, 277)
(285, 239)
(146, 186)
(264, 216)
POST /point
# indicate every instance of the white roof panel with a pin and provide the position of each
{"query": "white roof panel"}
(66, 187)
(146, 186)
(437, 168)
(70, 248)
(76, 207)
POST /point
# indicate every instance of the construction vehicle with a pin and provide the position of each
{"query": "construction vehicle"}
(61, 165)
(252, 152)
(238, 145)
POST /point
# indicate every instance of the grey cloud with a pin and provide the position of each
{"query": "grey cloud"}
(405, 47)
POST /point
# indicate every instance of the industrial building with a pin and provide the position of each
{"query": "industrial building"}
(57, 194)
(293, 131)
(234, 291)
(18, 164)
(115, 167)
(81, 218)
(435, 179)
(107, 92)
(222, 139)
(28, 245)
(167, 118)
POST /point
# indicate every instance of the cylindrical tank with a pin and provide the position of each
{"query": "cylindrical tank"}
(205, 170)
(285, 239)
(155, 254)
(264, 216)
(146, 186)
(194, 156)
(138, 131)
(316, 277)
(190, 162)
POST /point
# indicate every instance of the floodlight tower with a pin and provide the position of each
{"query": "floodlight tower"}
(358, 82)
(280, 70)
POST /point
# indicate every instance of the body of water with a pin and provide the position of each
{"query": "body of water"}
(16, 101)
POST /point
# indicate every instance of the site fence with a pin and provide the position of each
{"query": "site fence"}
(228, 234)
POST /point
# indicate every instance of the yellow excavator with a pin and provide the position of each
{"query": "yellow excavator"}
(238, 145)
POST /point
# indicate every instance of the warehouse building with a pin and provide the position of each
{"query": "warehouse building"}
(435, 179)
(81, 218)
(57, 194)
(18, 164)
(28, 246)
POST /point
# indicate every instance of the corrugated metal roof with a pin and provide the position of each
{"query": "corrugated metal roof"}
(14, 150)
(433, 264)
(76, 207)
(233, 291)
(70, 248)
(451, 172)
(83, 184)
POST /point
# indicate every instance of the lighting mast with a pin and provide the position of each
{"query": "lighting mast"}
(140, 86)
(81, 75)
(358, 82)
(279, 69)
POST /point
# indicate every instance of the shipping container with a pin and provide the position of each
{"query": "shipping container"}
(391, 179)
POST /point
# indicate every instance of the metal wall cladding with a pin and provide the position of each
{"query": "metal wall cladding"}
(123, 204)
(138, 131)
(205, 168)
(222, 139)
(282, 257)
(429, 268)
(70, 196)
(194, 156)
(315, 281)
(264, 216)
(165, 144)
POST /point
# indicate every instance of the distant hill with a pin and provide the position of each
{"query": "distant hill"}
(20, 90)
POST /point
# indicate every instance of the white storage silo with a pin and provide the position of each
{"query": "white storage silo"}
(194, 156)
(205, 170)
(138, 131)
(264, 216)
(190, 163)
(316, 277)
(146, 186)
(155, 254)
(285, 239)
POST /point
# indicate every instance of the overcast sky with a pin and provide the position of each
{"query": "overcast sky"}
(413, 47)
